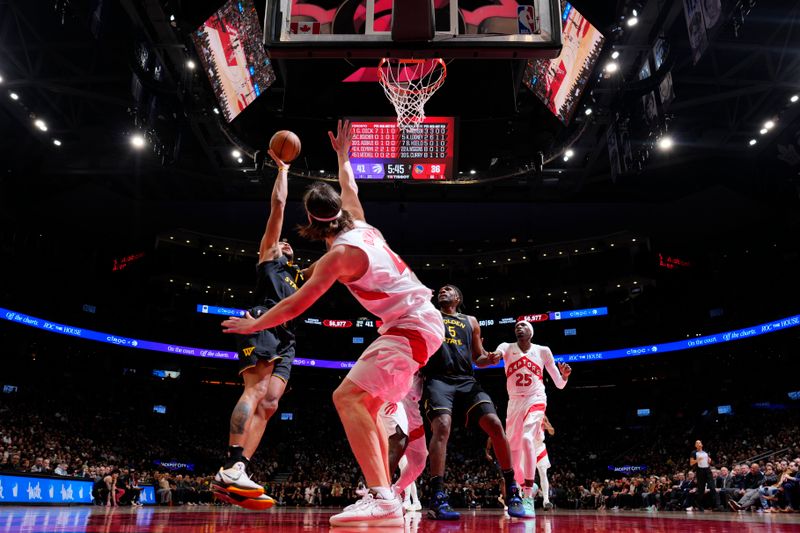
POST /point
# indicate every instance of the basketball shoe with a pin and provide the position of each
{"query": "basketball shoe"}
(440, 508)
(236, 480)
(371, 511)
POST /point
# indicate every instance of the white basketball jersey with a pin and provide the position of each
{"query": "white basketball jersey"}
(388, 289)
(524, 370)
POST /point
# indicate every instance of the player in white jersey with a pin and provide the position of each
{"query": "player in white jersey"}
(412, 329)
(527, 400)
(407, 448)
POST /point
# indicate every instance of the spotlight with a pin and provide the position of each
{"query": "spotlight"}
(137, 141)
(769, 124)
(611, 67)
(13, 96)
(614, 54)
(753, 142)
(632, 21)
(569, 153)
(588, 111)
(40, 124)
(665, 143)
(190, 64)
(793, 99)
(236, 153)
(763, 131)
(56, 142)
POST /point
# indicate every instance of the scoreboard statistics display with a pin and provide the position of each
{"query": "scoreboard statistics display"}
(381, 151)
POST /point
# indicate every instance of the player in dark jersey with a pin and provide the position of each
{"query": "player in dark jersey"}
(449, 382)
(265, 358)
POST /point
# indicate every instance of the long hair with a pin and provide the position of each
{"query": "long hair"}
(321, 201)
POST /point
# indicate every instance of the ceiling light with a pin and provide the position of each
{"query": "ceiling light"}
(633, 240)
(322, 172)
(13, 96)
(40, 124)
(1, 79)
(569, 153)
(752, 142)
(769, 124)
(216, 111)
(793, 99)
(763, 131)
(236, 153)
(473, 172)
(240, 160)
(566, 158)
(56, 142)
(632, 21)
(665, 143)
(137, 141)
(172, 18)
(588, 111)
(190, 64)
(611, 67)
(615, 54)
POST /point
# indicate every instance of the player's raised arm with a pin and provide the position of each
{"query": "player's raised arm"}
(560, 374)
(329, 269)
(269, 250)
(341, 144)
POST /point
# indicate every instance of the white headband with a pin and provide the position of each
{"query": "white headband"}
(331, 219)
(526, 324)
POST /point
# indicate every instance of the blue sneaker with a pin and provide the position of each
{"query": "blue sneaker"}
(440, 508)
(515, 507)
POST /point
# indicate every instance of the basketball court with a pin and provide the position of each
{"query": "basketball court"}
(184, 520)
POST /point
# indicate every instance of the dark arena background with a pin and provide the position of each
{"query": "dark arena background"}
(622, 174)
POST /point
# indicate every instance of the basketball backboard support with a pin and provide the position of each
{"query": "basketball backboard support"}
(362, 29)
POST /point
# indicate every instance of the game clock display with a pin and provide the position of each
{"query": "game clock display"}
(381, 151)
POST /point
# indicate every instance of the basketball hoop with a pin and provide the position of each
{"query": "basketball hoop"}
(409, 84)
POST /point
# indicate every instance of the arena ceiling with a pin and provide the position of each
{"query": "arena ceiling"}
(80, 72)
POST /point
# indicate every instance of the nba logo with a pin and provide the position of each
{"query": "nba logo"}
(528, 22)
(419, 169)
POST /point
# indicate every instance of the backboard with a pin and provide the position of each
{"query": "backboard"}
(362, 29)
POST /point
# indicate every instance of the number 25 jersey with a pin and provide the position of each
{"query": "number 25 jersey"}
(524, 371)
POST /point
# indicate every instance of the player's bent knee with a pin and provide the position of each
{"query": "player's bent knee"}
(268, 406)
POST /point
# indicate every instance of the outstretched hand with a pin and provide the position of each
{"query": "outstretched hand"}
(240, 326)
(565, 369)
(494, 357)
(278, 161)
(343, 138)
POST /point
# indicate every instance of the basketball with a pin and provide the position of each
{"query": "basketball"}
(286, 145)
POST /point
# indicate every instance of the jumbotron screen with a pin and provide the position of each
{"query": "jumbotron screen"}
(230, 48)
(380, 151)
(559, 83)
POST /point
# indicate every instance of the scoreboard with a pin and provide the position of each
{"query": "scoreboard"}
(381, 151)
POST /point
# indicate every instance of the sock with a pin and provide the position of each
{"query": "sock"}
(412, 491)
(235, 455)
(527, 488)
(508, 477)
(384, 493)
(437, 484)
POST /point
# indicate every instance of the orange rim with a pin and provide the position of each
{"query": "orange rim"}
(432, 88)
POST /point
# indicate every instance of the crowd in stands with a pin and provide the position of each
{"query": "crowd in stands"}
(754, 468)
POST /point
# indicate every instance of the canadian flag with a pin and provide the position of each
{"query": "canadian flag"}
(304, 28)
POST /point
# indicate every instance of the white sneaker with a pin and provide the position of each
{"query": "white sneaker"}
(371, 511)
(236, 480)
(416, 506)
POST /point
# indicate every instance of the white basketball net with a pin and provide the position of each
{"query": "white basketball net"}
(409, 84)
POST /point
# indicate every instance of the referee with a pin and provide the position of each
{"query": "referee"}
(702, 461)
